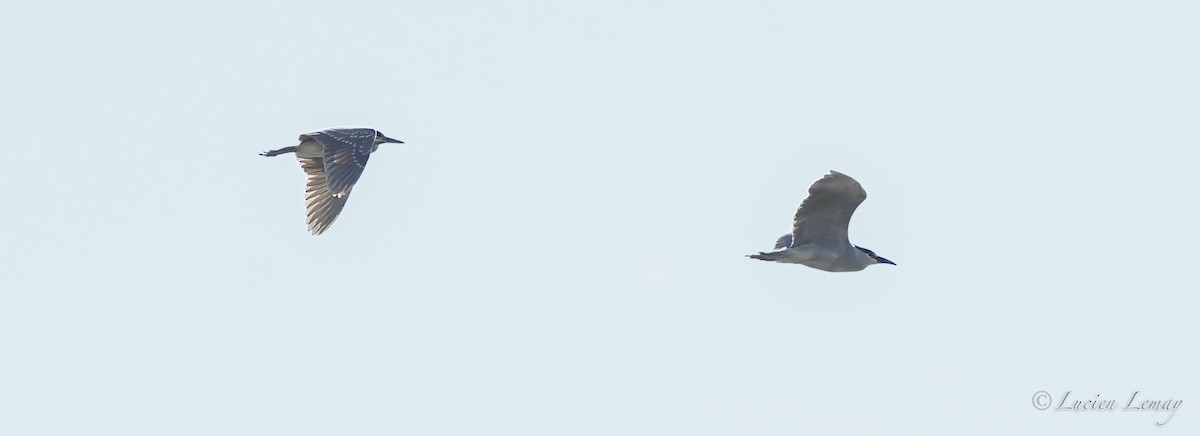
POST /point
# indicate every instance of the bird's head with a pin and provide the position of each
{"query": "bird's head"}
(380, 138)
(874, 257)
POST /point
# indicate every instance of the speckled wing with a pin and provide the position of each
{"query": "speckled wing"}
(824, 216)
(320, 205)
(346, 153)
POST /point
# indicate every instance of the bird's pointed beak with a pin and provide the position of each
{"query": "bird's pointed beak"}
(882, 260)
(393, 141)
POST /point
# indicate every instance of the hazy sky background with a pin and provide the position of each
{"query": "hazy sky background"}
(558, 248)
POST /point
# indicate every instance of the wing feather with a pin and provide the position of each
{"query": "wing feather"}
(321, 206)
(345, 156)
(824, 217)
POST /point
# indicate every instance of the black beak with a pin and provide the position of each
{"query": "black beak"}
(882, 260)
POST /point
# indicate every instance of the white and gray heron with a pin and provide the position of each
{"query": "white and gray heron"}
(819, 234)
(333, 159)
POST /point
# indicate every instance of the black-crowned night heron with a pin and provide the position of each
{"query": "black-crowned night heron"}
(819, 235)
(333, 159)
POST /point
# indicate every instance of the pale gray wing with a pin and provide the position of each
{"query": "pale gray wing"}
(320, 205)
(346, 154)
(784, 241)
(824, 216)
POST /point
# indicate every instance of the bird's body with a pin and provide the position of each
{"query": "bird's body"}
(819, 235)
(333, 160)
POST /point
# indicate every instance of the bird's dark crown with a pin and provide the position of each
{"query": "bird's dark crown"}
(381, 138)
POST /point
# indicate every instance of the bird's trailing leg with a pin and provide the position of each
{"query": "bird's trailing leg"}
(278, 152)
(769, 257)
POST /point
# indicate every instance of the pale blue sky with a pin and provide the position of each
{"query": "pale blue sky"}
(557, 250)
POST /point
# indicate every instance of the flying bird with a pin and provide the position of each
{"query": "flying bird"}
(333, 159)
(819, 238)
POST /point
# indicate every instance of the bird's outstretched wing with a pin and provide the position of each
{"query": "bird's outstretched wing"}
(346, 153)
(320, 205)
(824, 216)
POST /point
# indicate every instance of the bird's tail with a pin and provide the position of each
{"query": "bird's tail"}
(278, 152)
(769, 257)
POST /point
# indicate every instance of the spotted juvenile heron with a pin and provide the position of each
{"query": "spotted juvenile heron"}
(819, 237)
(333, 159)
